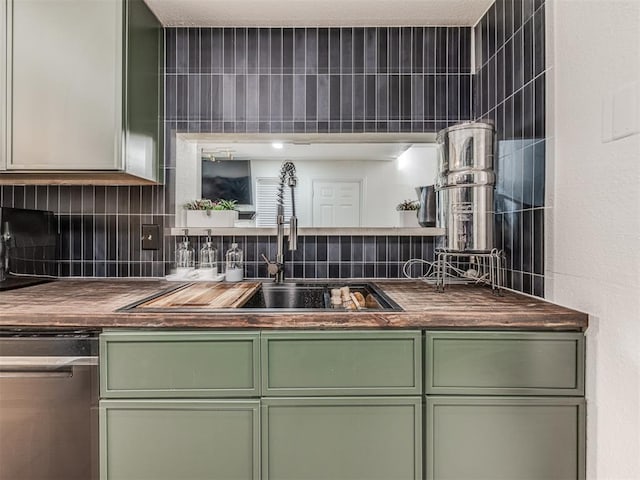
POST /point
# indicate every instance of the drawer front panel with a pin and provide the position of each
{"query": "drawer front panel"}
(342, 438)
(504, 363)
(505, 438)
(341, 363)
(179, 365)
(179, 439)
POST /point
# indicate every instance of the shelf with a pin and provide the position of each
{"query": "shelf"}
(305, 231)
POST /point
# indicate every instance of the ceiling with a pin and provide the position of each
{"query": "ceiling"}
(328, 13)
(302, 152)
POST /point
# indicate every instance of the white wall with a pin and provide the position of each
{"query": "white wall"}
(593, 220)
(384, 183)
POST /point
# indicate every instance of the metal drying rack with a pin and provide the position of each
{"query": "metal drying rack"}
(490, 268)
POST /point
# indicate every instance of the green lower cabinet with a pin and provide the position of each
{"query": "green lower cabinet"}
(179, 439)
(505, 438)
(362, 438)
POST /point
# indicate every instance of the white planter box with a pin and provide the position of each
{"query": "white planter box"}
(408, 219)
(214, 219)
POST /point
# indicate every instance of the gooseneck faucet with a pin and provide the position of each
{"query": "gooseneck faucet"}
(5, 238)
(288, 177)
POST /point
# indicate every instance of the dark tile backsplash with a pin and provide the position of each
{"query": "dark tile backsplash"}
(392, 79)
(276, 80)
(99, 226)
(318, 79)
(509, 89)
(330, 256)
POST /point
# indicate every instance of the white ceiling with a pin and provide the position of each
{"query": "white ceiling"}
(351, 13)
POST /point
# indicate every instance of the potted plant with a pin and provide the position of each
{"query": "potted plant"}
(408, 213)
(207, 213)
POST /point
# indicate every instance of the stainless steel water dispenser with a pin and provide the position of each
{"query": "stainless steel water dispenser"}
(465, 185)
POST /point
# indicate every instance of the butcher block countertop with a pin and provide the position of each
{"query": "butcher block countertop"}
(96, 304)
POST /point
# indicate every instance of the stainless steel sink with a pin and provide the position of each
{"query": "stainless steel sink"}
(291, 296)
(272, 297)
(310, 296)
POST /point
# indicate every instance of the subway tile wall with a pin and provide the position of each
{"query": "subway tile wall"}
(99, 226)
(331, 256)
(413, 79)
(273, 80)
(510, 90)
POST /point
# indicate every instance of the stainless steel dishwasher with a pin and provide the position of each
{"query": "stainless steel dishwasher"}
(48, 405)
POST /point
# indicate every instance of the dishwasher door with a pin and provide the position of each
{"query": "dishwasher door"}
(48, 408)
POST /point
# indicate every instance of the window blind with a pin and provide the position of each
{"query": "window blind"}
(267, 202)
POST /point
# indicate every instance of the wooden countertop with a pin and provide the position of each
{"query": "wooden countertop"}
(93, 304)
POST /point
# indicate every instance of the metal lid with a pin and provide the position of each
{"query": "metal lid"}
(465, 126)
(466, 178)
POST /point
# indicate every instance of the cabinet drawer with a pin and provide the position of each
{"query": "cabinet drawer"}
(500, 438)
(372, 438)
(504, 363)
(179, 365)
(341, 363)
(179, 439)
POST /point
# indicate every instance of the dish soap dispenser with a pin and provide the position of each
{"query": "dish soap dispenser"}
(185, 257)
(235, 269)
(208, 260)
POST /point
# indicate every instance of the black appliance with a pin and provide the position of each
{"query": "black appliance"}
(28, 247)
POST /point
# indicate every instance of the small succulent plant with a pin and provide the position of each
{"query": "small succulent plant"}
(408, 205)
(209, 205)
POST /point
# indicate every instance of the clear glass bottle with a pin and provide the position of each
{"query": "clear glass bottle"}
(234, 264)
(185, 257)
(208, 260)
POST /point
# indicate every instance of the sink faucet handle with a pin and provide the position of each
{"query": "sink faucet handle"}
(272, 267)
(293, 233)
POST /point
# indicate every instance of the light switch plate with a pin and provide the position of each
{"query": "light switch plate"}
(625, 111)
(150, 237)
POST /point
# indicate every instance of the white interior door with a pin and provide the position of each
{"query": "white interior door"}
(336, 203)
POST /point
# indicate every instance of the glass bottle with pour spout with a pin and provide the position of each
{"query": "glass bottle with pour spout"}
(185, 257)
(208, 260)
(234, 264)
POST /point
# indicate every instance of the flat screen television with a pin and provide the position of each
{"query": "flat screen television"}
(228, 180)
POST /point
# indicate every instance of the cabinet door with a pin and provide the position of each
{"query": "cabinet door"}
(365, 438)
(143, 92)
(186, 440)
(179, 364)
(65, 84)
(341, 363)
(505, 438)
(4, 108)
(504, 363)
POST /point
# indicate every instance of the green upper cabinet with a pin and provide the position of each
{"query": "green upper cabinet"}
(144, 92)
(83, 89)
(341, 363)
(504, 363)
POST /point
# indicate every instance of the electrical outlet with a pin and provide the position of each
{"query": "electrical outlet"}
(150, 237)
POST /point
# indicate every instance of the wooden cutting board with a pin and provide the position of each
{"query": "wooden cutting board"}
(206, 295)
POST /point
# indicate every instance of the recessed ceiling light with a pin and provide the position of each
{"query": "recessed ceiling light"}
(278, 145)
